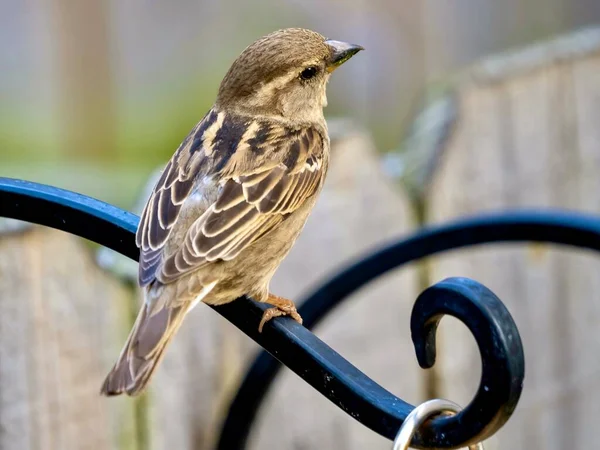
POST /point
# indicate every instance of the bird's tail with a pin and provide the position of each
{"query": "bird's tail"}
(143, 350)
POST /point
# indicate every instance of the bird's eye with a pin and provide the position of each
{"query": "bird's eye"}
(308, 73)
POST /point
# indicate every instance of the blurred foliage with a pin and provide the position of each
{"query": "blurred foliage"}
(95, 94)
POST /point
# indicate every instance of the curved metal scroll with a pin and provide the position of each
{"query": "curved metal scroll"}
(558, 227)
(303, 352)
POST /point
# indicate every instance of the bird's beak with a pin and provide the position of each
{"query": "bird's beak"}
(340, 53)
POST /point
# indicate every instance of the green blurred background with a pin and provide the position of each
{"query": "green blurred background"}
(96, 94)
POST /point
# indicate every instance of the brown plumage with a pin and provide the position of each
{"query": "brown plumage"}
(235, 195)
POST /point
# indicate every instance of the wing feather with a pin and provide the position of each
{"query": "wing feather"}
(255, 192)
(231, 195)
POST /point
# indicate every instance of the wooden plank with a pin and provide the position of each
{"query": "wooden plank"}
(358, 209)
(82, 58)
(527, 136)
(59, 328)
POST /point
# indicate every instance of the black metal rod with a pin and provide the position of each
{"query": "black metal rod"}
(71, 212)
(303, 352)
(560, 227)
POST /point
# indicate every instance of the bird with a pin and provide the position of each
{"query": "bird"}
(235, 195)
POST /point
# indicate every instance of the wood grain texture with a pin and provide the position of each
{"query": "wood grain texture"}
(527, 135)
(358, 209)
(59, 321)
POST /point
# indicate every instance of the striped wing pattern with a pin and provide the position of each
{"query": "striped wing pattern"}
(260, 172)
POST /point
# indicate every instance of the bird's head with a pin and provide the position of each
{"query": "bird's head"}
(284, 74)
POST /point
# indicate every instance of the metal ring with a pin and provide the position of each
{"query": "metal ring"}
(419, 415)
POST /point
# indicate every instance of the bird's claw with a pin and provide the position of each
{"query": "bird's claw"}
(283, 310)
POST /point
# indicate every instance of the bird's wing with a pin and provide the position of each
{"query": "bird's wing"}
(263, 172)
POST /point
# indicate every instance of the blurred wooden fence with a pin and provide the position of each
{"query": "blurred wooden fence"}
(516, 130)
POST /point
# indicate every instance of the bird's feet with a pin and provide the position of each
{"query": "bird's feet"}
(283, 307)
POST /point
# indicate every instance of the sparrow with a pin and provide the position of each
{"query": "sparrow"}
(235, 195)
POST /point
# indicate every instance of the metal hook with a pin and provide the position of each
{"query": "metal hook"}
(503, 362)
(419, 415)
